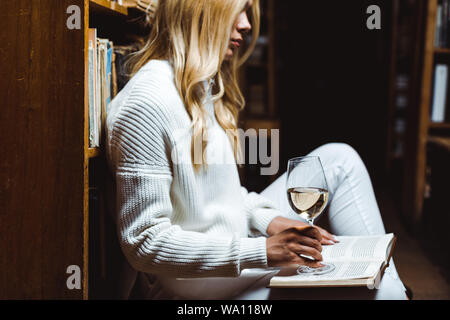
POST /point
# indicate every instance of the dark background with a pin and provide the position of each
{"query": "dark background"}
(332, 82)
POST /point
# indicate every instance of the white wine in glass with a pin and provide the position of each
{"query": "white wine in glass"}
(307, 192)
(308, 203)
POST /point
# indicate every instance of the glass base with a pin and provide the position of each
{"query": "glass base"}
(326, 268)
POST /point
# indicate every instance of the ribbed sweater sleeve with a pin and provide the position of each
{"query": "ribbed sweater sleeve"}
(260, 212)
(140, 145)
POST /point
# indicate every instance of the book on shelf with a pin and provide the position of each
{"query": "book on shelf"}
(442, 40)
(439, 93)
(105, 51)
(93, 87)
(102, 84)
(359, 261)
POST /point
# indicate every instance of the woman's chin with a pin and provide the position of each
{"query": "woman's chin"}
(229, 54)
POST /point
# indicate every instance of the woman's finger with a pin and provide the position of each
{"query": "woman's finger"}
(307, 251)
(327, 242)
(310, 242)
(328, 236)
(309, 231)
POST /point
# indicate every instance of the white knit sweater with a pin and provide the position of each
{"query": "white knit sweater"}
(172, 221)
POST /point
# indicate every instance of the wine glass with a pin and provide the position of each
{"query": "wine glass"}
(307, 192)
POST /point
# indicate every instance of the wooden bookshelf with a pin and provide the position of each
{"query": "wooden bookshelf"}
(108, 6)
(46, 166)
(44, 171)
(419, 123)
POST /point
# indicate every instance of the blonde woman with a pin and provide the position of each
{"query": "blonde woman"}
(184, 221)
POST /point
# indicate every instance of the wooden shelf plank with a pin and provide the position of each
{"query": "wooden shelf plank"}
(94, 152)
(440, 125)
(442, 50)
(443, 142)
(108, 6)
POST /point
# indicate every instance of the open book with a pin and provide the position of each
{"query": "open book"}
(359, 261)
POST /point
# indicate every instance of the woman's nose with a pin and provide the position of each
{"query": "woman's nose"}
(243, 25)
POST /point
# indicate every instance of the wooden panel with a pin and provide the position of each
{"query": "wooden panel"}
(42, 138)
(418, 121)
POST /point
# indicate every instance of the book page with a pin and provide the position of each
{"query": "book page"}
(361, 248)
(343, 271)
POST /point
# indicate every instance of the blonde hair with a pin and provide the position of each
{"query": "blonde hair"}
(194, 35)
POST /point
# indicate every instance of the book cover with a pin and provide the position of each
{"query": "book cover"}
(109, 75)
(114, 74)
(103, 84)
(98, 111)
(437, 35)
(439, 93)
(91, 94)
(444, 28)
(93, 38)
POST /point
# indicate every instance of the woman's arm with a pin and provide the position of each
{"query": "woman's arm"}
(140, 146)
(260, 212)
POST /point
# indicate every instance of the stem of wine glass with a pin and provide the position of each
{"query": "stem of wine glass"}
(311, 222)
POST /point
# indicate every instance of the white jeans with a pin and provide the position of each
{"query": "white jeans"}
(352, 210)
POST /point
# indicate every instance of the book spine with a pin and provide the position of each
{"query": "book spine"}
(437, 36)
(443, 43)
(104, 85)
(93, 38)
(91, 94)
(98, 95)
(440, 93)
(109, 76)
(114, 74)
(101, 72)
(447, 24)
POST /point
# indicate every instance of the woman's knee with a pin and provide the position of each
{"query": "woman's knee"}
(337, 153)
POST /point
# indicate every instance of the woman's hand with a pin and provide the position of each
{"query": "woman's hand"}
(280, 223)
(285, 248)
